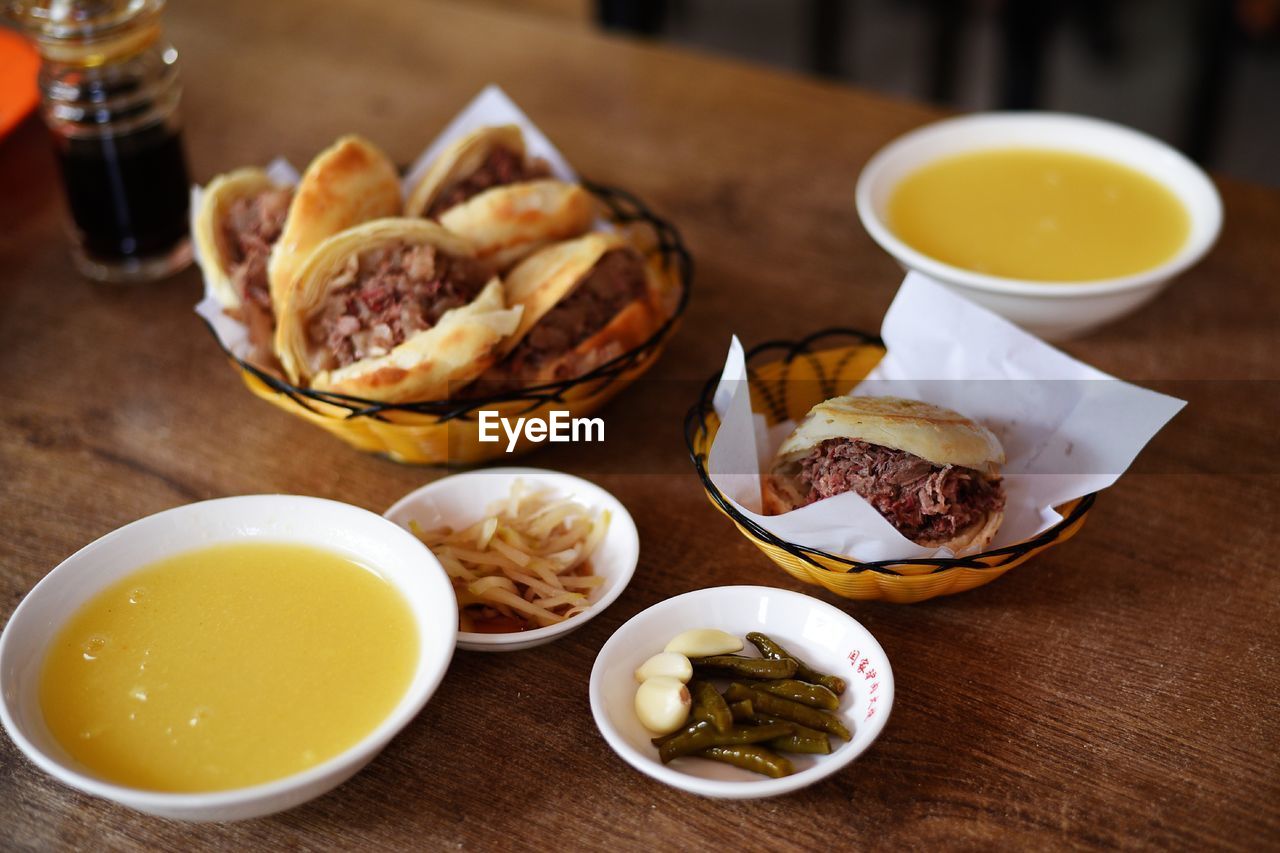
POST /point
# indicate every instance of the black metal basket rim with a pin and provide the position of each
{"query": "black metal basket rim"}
(695, 423)
(624, 208)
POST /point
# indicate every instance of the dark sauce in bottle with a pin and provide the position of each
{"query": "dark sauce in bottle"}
(110, 95)
(128, 194)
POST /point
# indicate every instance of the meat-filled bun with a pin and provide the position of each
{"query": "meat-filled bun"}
(485, 158)
(239, 219)
(585, 302)
(508, 223)
(348, 183)
(394, 310)
(485, 187)
(238, 222)
(931, 472)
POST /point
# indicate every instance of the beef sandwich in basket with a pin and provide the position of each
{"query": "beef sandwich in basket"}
(931, 472)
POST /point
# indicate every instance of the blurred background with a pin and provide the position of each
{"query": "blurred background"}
(1203, 75)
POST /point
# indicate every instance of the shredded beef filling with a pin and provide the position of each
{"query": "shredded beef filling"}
(252, 226)
(503, 166)
(383, 296)
(925, 502)
(615, 282)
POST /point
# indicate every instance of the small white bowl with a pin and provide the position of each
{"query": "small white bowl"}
(362, 535)
(1052, 310)
(460, 500)
(827, 638)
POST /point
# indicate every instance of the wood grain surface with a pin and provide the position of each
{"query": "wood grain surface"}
(1119, 691)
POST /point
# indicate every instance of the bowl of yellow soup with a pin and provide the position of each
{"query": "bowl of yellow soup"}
(1060, 223)
(226, 659)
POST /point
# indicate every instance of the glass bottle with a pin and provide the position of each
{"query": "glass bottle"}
(109, 95)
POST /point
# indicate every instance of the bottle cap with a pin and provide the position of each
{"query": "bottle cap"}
(88, 32)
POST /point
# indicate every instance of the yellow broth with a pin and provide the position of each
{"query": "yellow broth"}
(1038, 215)
(228, 666)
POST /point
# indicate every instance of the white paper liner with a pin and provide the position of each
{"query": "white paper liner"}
(1062, 439)
(491, 107)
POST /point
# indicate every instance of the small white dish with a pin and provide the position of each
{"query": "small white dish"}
(826, 637)
(357, 533)
(460, 500)
(1051, 310)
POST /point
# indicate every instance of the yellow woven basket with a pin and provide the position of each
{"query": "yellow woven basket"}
(789, 378)
(447, 432)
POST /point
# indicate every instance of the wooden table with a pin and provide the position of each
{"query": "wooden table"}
(1118, 691)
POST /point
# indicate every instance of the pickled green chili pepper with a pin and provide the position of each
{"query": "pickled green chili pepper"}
(806, 744)
(689, 727)
(776, 706)
(814, 695)
(742, 711)
(709, 706)
(705, 736)
(734, 666)
(687, 742)
(769, 649)
(754, 758)
(766, 720)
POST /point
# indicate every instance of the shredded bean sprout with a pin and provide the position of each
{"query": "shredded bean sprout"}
(526, 564)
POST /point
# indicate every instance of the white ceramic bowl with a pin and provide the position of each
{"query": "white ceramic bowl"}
(460, 500)
(342, 528)
(826, 637)
(1052, 310)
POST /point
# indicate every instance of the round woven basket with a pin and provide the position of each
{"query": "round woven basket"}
(787, 379)
(446, 432)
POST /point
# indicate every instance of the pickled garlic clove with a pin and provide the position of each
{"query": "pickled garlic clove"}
(703, 642)
(662, 704)
(671, 664)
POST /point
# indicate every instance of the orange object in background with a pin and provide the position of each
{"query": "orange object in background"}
(19, 65)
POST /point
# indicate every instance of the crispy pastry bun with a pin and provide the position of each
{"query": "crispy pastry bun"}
(348, 183)
(211, 239)
(506, 222)
(459, 160)
(550, 275)
(429, 364)
(935, 434)
(509, 222)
